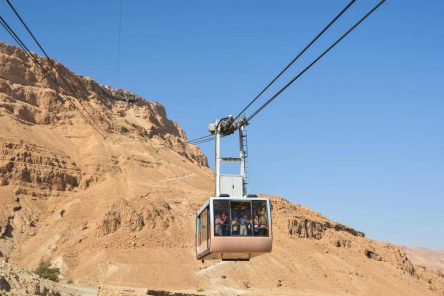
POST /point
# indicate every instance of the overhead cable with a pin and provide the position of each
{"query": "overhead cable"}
(199, 139)
(315, 61)
(44, 71)
(297, 57)
(71, 88)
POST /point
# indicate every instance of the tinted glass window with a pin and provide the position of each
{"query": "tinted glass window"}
(260, 218)
(222, 219)
(203, 227)
(240, 218)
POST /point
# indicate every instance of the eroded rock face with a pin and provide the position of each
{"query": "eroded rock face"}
(121, 214)
(30, 165)
(303, 227)
(6, 227)
(159, 215)
(126, 215)
(110, 223)
(16, 281)
(32, 98)
(343, 243)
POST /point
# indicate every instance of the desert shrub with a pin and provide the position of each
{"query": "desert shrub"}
(200, 290)
(45, 271)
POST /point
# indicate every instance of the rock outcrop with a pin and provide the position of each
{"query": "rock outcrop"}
(305, 228)
(33, 98)
(36, 168)
(16, 281)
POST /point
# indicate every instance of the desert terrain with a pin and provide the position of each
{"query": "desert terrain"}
(432, 259)
(119, 209)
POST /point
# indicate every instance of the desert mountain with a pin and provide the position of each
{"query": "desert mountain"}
(432, 259)
(120, 209)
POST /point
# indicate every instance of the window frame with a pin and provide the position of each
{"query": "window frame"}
(229, 200)
(200, 241)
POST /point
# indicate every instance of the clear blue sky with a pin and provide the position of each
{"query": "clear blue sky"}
(358, 138)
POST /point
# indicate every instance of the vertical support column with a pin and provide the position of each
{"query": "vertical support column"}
(217, 164)
(242, 157)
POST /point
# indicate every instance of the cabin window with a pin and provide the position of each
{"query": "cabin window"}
(240, 218)
(203, 227)
(221, 217)
(260, 218)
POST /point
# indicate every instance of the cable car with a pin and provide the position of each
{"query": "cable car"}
(232, 225)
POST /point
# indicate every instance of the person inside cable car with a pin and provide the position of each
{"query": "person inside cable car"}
(256, 225)
(263, 223)
(243, 225)
(250, 226)
(234, 226)
(218, 222)
(225, 225)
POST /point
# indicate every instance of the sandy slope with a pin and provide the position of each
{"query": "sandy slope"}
(16, 281)
(432, 259)
(120, 210)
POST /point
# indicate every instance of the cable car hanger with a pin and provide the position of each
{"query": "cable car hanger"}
(224, 127)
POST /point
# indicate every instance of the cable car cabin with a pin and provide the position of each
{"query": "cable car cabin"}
(233, 228)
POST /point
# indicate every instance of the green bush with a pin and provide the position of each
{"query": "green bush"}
(200, 290)
(45, 271)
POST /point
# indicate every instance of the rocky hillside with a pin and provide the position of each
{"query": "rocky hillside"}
(432, 259)
(119, 209)
(16, 281)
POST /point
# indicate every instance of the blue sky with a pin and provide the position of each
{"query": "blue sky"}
(358, 138)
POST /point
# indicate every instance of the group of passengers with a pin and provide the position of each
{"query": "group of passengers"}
(242, 225)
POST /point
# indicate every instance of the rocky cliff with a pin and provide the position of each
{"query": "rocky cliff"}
(120, 209)
(16, 281)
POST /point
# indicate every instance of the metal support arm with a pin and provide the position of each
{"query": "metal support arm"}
(225, 127)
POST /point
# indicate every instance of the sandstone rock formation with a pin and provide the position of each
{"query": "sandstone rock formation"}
(120, 210)
(16, 281)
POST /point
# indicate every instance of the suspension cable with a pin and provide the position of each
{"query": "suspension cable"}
(71, 88)
(199, 139)
(297, 57)
(315, 61)
(44, 71)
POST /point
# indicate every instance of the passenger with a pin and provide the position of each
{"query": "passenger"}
(243, 225)
(263, 223)
(250, 226)
(225, 225)
(256, 225)
(235, 226)
(218, 222)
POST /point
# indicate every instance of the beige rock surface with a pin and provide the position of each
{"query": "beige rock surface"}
(120, 210)
(16, 281)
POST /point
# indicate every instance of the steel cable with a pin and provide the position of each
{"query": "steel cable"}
(298, 56)
(315, 61)
(71, 88)
(44, 71)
